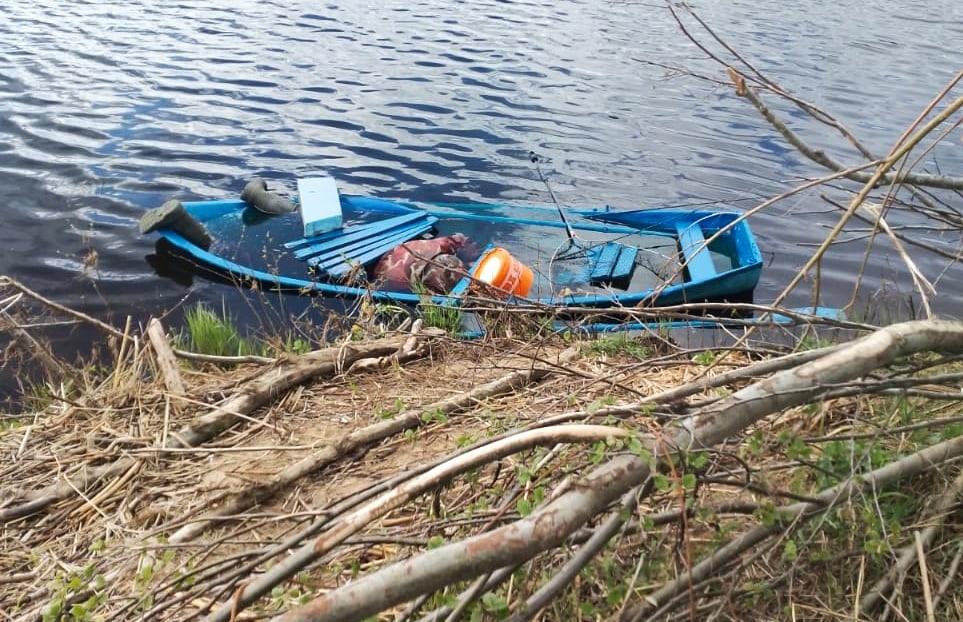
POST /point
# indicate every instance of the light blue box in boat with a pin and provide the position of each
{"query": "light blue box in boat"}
(319, 204)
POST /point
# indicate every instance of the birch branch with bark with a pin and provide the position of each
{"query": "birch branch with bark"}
(552, 524)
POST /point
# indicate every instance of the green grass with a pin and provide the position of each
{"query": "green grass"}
(438, 316)
(209, 332)
(445, 317)
(619, 344)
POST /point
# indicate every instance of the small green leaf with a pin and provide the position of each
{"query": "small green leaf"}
(789, 551)
(494, 603)
(538, 494)
(523, 506)
(698, 459)
(524, 474)
(598, 452)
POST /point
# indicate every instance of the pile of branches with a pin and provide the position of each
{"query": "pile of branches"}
(621, 478)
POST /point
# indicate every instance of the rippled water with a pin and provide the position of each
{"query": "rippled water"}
(108, 108)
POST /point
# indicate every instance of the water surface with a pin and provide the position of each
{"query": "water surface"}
(109, 108)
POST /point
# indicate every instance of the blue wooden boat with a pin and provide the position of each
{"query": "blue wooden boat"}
(670, 262)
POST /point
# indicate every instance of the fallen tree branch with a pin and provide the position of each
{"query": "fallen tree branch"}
(699, 385)
(356, 520)
(672, 516)
(547, 592)
(164, 355)
(266, 387)
(943, 507)
(951, 574)
(327, 454)
(510, 545)
(223, 360)
(796, 386)
(492, 581)
(550, 525)
(924, 577)
(246, 399)
(912, 465)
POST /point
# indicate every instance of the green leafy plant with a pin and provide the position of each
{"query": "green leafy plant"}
(619, 344)
(444, 316)
(389, 412)
(434, 416)
(283, 598)
(705, 358)
(297, 345)
(210, 332)
(464, 440)
(66, 585)
(600, 403)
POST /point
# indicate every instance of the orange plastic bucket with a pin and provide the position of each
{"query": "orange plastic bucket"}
(500, 270)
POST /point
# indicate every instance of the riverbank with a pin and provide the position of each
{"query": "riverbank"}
(165, 485)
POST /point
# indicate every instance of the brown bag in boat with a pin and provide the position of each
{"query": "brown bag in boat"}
(432, 263)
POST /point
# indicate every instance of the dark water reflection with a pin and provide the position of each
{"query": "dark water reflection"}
(108, 108)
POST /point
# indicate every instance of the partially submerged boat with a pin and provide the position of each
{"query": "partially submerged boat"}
(620, 258)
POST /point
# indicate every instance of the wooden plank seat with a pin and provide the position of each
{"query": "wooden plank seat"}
(693, 245)
(613, 264)
(335, 253)
(338, 262)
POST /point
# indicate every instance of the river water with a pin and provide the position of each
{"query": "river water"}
(108, 108)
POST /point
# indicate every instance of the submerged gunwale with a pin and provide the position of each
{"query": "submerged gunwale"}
(741, 278)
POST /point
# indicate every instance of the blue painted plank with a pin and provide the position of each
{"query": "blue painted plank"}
(605, 256)
(330, 235)
(337, 255)
(319, 238)
(346, 239)
(614, 264)
(376, 250)
(314, 239)
(319, 205)
(625, 265)
(697, 257)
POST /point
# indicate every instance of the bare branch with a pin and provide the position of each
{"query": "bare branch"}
(789, 515)
(609, 527)
(943, 507)
(326, 454)
(351, 523)
(549, 526)
(823, 159)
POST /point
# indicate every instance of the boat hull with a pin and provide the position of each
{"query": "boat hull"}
(733, 239)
